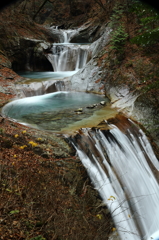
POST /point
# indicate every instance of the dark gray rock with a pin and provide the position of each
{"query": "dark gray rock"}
(30, 55)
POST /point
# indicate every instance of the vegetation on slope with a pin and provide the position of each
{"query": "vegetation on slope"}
(45, 192)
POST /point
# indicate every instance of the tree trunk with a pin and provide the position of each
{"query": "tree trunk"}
(45, 1)
(100, 3)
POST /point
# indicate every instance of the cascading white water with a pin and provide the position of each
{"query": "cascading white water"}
(119, 166)
(68, 56)
(68, 34)
(64, 35)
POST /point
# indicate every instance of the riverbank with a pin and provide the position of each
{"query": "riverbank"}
(45, 190)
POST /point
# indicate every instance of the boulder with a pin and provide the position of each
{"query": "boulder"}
(88, 33)
(29, 55)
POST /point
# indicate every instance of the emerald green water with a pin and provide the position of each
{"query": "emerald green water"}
(57, 111)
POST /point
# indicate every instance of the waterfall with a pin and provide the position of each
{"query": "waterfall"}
(66, 56)
(40, 88)
(122, 166)
(68, 34)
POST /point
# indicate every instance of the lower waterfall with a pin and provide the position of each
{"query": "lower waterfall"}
(122, 167)
(68, 57)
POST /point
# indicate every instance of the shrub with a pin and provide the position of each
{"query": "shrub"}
(148, 18)
(118, 39)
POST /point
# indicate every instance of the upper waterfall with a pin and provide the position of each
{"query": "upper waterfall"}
(66, 56)
(68, 35)
(64, 35)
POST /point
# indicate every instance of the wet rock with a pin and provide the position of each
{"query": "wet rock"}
(78, 113)
(30, 55)
(102, 103)
(141, 106)
(98, 45)
(55, 34)
(79, 110)
(95, 104)
(88, 33)
(92, 106)
(85, 79)
(39, 88)
(91, 78)
(4, 61)
(39, 61)
(114, 236)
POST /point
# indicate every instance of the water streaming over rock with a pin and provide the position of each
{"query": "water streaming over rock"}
(68, 34)
(66, 56)
(40, 88)
(124, 169)
(43, 83)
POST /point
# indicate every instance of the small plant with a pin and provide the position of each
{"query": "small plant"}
(14, 212)
(38, 238)
(23, 132)
(153, 85)
(118, 39)
(22, 147)
(118, 35)
(33, 144)
(2, 131)
(117, 14)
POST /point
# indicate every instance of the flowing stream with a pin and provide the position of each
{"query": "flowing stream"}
(117, 155)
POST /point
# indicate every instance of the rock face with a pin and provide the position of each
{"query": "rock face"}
(89, 78)
(146, 111)
(87, 33)
(42, 87)
(4, 61)
(135, 104)
(29, 55)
